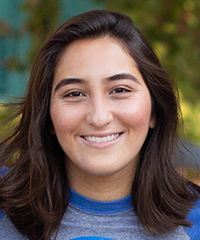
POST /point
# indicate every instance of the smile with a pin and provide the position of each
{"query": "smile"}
(102, 139)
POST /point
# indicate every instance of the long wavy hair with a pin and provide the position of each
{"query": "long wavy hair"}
(35, 191)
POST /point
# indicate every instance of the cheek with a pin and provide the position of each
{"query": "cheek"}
(136, 113)
(64, 119)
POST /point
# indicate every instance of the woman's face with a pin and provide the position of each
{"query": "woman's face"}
(100, 107)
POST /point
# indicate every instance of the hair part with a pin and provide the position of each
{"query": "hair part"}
(36, 187)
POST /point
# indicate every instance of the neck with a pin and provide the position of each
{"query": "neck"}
(101, 188)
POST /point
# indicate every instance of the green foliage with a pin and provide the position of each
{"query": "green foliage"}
(6, 128)
(191, 115)
(42, 19)
(173, 28)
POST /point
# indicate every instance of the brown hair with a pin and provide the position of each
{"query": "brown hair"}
(36, 187)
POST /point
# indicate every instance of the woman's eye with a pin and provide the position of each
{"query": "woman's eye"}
(120, 90)
(74, 94)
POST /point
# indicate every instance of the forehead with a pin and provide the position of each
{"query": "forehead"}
(94, 52)
(93, 62)
(88, 42)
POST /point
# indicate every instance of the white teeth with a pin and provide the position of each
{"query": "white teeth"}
(102, 139)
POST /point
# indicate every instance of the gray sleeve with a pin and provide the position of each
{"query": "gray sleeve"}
(8, 230)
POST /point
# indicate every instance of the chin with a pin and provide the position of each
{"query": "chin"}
(102, 172)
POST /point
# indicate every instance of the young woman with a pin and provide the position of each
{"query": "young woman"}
(96, 137)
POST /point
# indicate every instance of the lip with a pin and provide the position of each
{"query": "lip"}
(101, 145)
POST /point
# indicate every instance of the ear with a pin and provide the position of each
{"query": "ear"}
(152, 122)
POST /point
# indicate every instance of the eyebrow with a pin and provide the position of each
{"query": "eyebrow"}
(67, 81)
(123, 76)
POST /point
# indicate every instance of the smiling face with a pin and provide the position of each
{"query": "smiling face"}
(100, 108)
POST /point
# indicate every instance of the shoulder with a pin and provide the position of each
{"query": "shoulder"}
(3, 171)
(2, 213)
(194, 218)
(8, 230)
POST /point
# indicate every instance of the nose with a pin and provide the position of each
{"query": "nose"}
(99, 112)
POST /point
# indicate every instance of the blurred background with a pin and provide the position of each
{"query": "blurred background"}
(172, 28)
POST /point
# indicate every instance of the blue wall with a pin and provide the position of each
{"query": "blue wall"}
(13, 83)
